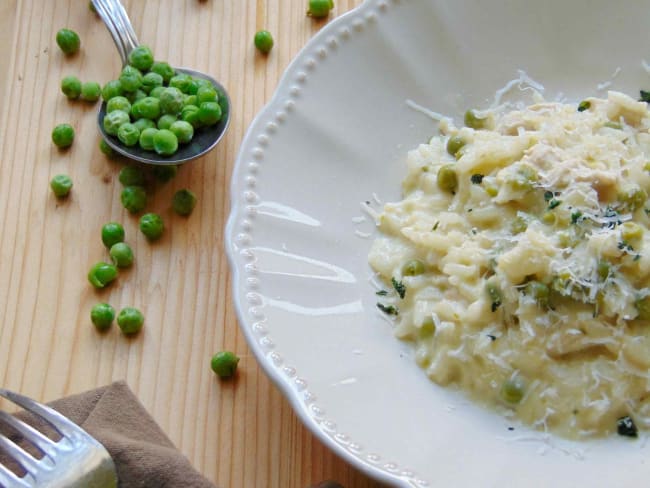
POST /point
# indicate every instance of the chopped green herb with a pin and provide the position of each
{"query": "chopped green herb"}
(495, 295)
(435, 226)
(645, 96)
(548, 195)
(381, 293)
(399, 287)
(576, 216)
(636, 257)
(388, 309)
(625, 426)
(477, 178)
(554, 203)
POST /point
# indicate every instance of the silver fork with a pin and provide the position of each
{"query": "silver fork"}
(76, 460)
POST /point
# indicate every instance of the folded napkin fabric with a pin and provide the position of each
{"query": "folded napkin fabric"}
(143, 455)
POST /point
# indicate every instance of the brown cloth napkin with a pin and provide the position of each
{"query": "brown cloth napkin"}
(143, 454)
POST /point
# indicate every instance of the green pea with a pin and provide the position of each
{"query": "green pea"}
(133, 198)
(121, 254)
(584, 105)
(447, 179)
(320, 8)
(114, 120)
(132, 175)
(263, 41)
(631, 231)
(206, 94)
(68, 40)
(190, 100)
(151, 81)
(166, 121)
(165, 173)
(603, 269)
(209, 113)
(165, 142)
(224, 364)
(143, 124)
(130, 320)
(518, 225)
(524, 179)
(151, 225)
(183, 131)
(182, 82)
(171, 100)
(539, 291)
(63, 136)
(102, 274)
(146, 138)
(190, 114)
(475, 121)
(427, 329)
(102, 316)
(91, 91)
(413, 267)
(112, 89)
(197, 84)
(112, 233)
(633, 197)
(135, 96)
(642, 305)
(512, 390)
(71, 87)
(61, 185)
(495, 295)
(130, 78)
(118, 103)
(141, 58)
(147, 108)
(128, 134)
(163, 69)
(184, 202)
(155, 92)
(454, 145)
(106, 149)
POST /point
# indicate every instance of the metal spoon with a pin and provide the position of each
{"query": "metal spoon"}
(118, 24)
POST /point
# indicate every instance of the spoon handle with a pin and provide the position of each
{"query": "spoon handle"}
(118, 24)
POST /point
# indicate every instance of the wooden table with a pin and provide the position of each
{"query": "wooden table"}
(240, 433)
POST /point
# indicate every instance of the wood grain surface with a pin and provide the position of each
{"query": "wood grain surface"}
(241, 433)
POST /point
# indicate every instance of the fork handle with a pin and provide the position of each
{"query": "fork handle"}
(118, 24)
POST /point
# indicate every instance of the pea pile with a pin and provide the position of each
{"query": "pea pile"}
(152, 106)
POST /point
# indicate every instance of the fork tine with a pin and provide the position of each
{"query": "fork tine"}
(9, 479)
(65, 427)
(45, 444)
(22, 457)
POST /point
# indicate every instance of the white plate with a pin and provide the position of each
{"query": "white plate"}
(335, 134)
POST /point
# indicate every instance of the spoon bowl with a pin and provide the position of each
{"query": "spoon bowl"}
(205, 139)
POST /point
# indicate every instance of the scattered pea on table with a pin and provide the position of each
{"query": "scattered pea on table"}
(68, 40)
(184, 202)
(63, 136)
(130, 320)
(112, 233)
(102, 316)
(263, 41)
(121, 255)
(61, 185)
(224, 364)
(133, 198)
(102, 274)
(151, 225)
(71, 87)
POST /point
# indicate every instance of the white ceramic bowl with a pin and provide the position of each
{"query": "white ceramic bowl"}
(336, 134)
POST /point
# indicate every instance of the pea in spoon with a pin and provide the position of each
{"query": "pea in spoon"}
(118, 24)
